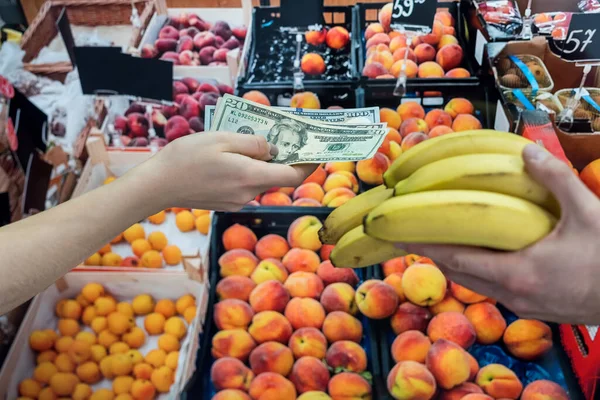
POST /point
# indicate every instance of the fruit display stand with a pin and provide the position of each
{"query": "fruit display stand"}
(236, 226)
(193, 245)
(271, 54)
(124, 287)
(235, 17)
(464, 73)
(552, 365)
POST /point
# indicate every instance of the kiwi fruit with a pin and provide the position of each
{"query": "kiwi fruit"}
(513, 71)
(511, 81)
(504, 64)
(580, 113)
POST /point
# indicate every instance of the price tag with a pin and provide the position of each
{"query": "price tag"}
(414, 15)
(301, 13)
(583, 39)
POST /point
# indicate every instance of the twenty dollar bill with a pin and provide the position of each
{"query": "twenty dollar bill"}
(298, 139)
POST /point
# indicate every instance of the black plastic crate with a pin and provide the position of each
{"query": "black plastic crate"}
(366, 13)
(262, 223)
(266, 26)
(329, 94)
(553, 366)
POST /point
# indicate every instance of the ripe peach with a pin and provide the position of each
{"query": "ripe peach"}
(397, 42)
(316, 38)
(458, 73)
(313, 64)
(395, 281)
(337, 197)
(385, 16)
(271, 357)
(235, 287)
(401, 52)
(308, 342)
(318, 176)
(498, 381)
(230, 373)
(330, 274)
(339, 297)
(341, 179)
(235, 343)
(460, 391)
(371, 171)
(239, 237)
(425, 52)
(378, 38)
(309, 190)
(449, 303)
(449, 363)
(257, 97)
(528, 339)
(306, 203)
(237, 262)
(544, 389)
(458, 106)
(474, 365)
(230, 314)
(410, 110)
(276, 199)
(384, 58)
(348, 385)
(305, 312)
(411, 69)
(301, 260)
(438, 117)
(269, 269)
(398, 264)
(489, 324)
(231, 394)
(452, 326)
(158, 218)
(348, 166)
(465, 122)
(410, 346)
(376, 299)
(374, 69)
(413, 139)
(340, 326)
(446, 40)
(269, 296)
(439, 131)
(410, 317)
(270, 326)
(411, 380)
(465, 295)
(430, 69)
(413, 125)
(304, 284)
(272, 386)
(337, 38)
(309, 374)
(424, 285)
(449, 56)
(304, 233)
(373, 29)
(444, 17)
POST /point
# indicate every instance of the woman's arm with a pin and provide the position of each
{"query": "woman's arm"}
(215, 171)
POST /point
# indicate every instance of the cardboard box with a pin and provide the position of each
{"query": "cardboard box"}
(21, 362)
(103, 163)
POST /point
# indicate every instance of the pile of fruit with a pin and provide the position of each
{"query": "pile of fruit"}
(437, 321)
(97, 339)
(189, 40)
(170, 122)
(554, 24)
(467, 188)
(435, 55)
(512, 77)
(585, 109)
(287, 319)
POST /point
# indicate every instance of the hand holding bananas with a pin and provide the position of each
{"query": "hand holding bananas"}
(474, 189)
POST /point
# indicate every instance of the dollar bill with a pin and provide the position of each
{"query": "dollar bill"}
(355, 116)
(299, 140)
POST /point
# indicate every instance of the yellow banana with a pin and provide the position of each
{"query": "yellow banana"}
(357, 250)
(351, 214)
(463, 217)
(500, 173)
(456, 144)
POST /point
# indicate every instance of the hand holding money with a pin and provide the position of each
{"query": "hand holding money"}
(299, 139)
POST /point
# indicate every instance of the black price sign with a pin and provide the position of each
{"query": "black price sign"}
(414, 15)
(583, 39)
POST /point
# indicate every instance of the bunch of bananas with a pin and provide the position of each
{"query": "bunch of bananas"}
(467, 188)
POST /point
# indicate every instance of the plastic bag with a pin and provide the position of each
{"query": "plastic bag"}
(502, 17)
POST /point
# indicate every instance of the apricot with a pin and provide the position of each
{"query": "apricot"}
(117, 239)
(528, 339)
(460, 391)
(339, 326)
(119, 323)
(63, 383)
(309, 374)
(203, 224)
(304, 313)
(590, 176)
(68, 327)
(235, 343)
(448, 303)
(232, 314)
(371, 171)
(40, 341)
(410, 346)
(156, 358)
(312, 64)
(135, 231)
(348, 385)
(106, 367)
(64, 363)
(303, 233)
(269, 296)
(29, 388)
(152, 259)
(411, 380)
(94, 259)
(168, 342)
(189, 314)
(301, 260)
(82, 391)
(499, 381)
(166, 307)
(304, 284)
(257, 97)
(48, 355)
(143, 370)
(154, 323)
(488, 322)
(308, 100)
(465, 122)
(449, 56)
(430, 69)
(88, 372)
(135, 356)
(465, 295)
(272, 386)
(410, 317)
(185, 301)
(162, 378)
(337, 197)
(237, 262)
(98, 352)
(449, 364)
(172, 360)
(410, 71)
(103, 394)
(121, 364)
(339, 297)
(79, 351)
(140, 246)
(105, 305)
(106, 338)
(452, 326)
(135, 338)
(544, 389)
(458, 106)
(376, 299)
(410, 110)
(273, 246)
(143, 304)
(158, 218)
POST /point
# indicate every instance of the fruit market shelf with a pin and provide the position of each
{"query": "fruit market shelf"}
(261, 223)
(21, 360)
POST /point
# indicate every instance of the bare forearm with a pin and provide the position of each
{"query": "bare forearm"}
(35, 252)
